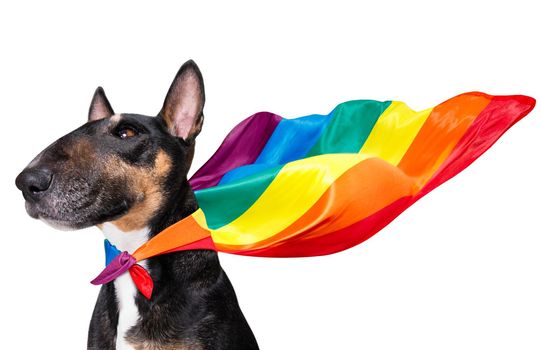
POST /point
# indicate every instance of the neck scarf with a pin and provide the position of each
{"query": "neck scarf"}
(187, 234)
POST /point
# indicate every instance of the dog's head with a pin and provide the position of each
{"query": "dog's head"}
(117, 167)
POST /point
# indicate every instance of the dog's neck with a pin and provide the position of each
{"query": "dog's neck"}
(174, 274)
(177, 206)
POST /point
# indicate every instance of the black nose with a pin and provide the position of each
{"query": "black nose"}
(34, 182)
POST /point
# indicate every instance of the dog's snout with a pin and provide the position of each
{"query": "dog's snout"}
(34, 182)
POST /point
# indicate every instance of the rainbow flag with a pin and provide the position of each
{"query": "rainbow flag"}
(320, 184)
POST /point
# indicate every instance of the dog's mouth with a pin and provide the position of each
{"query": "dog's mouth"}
(86, 215)
(31, 209)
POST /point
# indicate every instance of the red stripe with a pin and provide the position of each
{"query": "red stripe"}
(142, 280)
(501, 113)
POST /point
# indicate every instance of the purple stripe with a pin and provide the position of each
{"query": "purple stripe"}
(242, 146)
(120, 264)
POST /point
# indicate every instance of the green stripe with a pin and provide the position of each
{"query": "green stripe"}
(349, 128)
(223, 204)
(347, 131)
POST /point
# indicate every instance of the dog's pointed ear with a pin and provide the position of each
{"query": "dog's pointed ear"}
(182, 109)
(99, 107)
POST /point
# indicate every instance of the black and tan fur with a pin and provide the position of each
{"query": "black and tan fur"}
(130, 170)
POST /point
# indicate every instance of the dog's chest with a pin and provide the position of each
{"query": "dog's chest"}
(124, 287)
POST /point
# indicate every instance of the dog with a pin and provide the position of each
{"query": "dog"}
(127, 174)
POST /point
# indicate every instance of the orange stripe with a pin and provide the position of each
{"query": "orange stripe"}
(440, 133)
(183, 232)
(340, 206)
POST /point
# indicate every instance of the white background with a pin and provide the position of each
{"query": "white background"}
(458, 270)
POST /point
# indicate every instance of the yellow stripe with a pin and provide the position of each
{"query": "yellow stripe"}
(200, 218)
(294, 190)
(394, 132)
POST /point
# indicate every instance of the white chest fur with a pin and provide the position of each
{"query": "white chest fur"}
(124, 287)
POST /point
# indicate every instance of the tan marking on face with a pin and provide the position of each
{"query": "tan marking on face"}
(162, 164)
(82, 152)
(146, 185)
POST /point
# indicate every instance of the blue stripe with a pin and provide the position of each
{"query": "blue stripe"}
(110, 252)
(290, 141)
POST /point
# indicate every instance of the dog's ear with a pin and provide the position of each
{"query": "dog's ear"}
(182, 109)
(99, 107)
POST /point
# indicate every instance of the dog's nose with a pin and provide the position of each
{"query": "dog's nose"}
(34, 182)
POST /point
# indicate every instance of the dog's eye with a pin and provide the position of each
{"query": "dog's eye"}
(125, 132)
